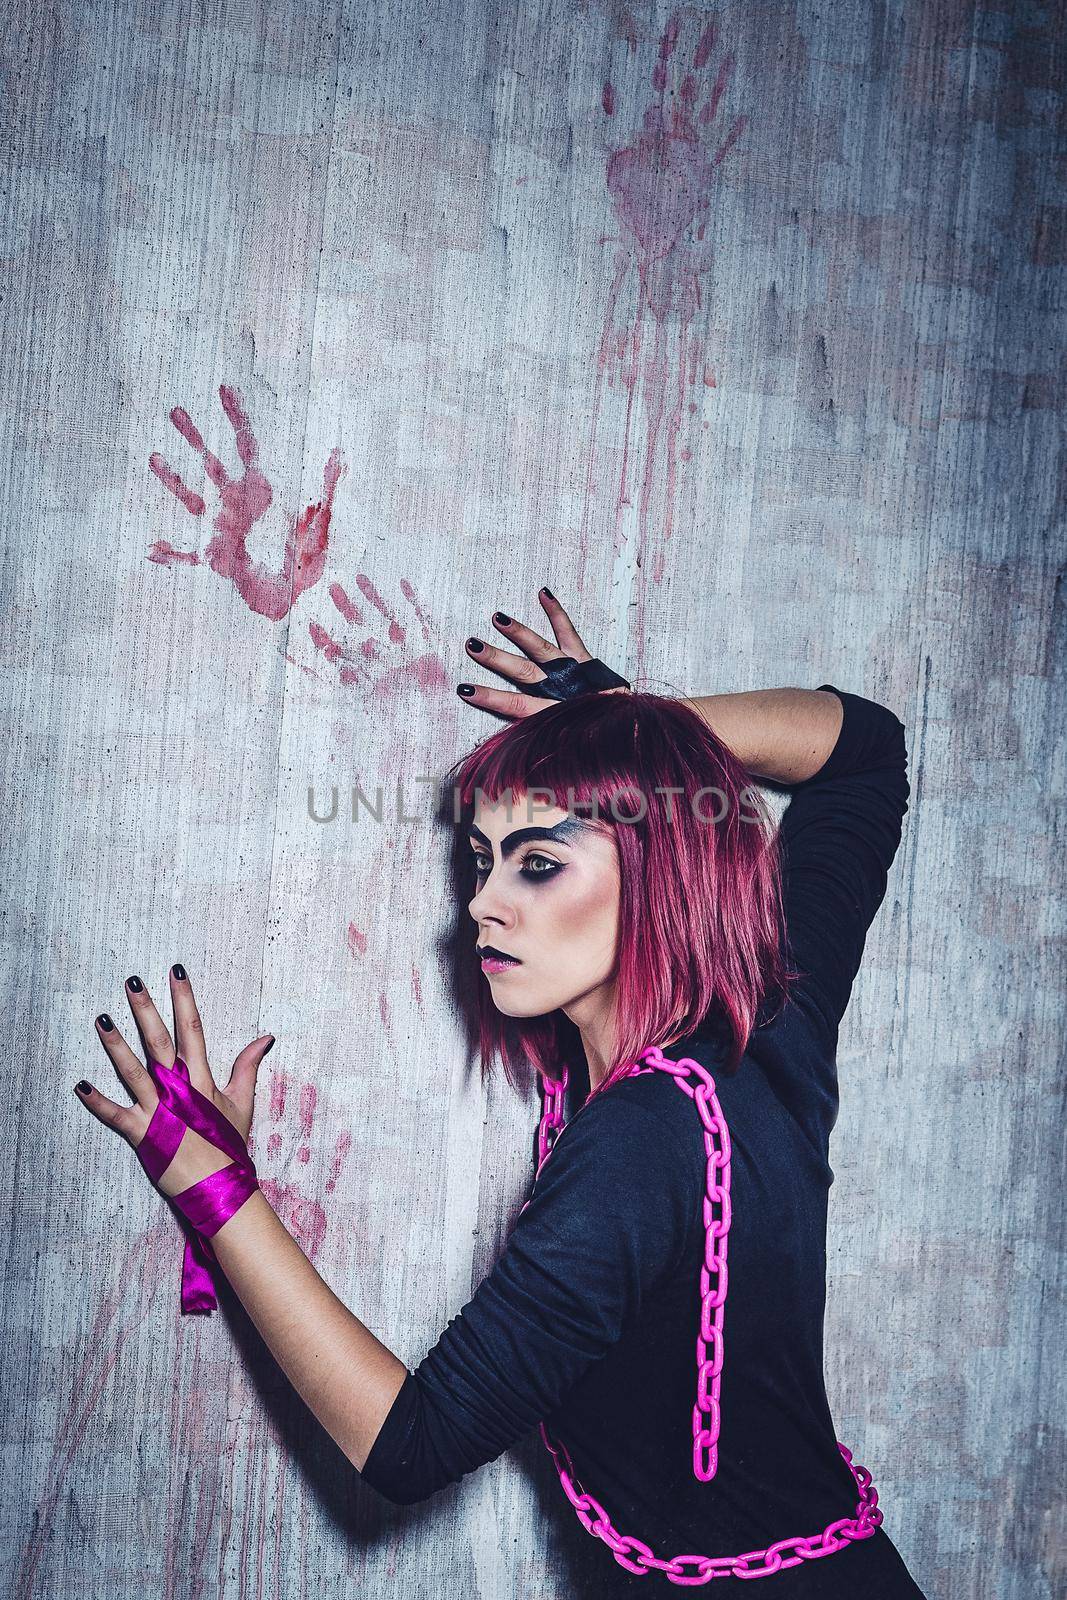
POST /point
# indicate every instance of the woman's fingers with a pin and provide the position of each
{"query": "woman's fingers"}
(519, 669)
(563, 628)
(526, 669)
(130, 1069)
(150, 1025)
(189, 1030)
(503, 702)
(129, 1121)
(538, 648)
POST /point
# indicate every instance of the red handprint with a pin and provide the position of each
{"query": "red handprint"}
(661, 184)
(373, 664)
(243, 500)
(302, 1214)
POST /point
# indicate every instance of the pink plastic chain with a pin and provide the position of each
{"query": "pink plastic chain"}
(629, 1551)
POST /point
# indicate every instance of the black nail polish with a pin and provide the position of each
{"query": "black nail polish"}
(269, 1048)
(465, 688)
(83, 1087)
(499, 616)
(135, 984)
(476, 644)
(105, 1022)
(179, 971)
(549, 593)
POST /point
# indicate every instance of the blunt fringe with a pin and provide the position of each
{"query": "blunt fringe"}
(701, 927)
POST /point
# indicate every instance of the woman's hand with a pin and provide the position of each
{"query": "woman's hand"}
(524, 669)
(195, 1157)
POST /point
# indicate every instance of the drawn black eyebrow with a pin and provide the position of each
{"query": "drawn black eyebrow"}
(562, 833)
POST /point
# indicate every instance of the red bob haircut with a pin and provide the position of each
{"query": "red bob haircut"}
(701, 937)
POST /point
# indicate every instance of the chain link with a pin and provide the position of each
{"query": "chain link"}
(629, 1551)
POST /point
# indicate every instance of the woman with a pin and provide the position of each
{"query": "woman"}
(696, 968)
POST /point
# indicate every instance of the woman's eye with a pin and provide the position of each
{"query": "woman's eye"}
(533, 866)
(545, 861)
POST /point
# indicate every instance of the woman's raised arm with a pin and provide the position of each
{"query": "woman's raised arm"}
(782, 734)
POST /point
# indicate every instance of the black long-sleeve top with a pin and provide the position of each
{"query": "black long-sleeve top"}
(590, 1317)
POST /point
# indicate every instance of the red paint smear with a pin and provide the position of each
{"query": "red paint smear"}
(408, 591)
(165, 555)
(667, 45)
(193, 503)
(197, 1418)
(308, 671)
(658, 185)
(396, 632)
(121, 1313)
(279, 1087)
(301, 1213)
(192, 435)
(357, 941)
(304, 1217)
(243, 502)
(340, 1156)
(705, 45)
(334, 651)
(717, 92)
(347, 607)
(308, 1096)
(607, 99)
(428, 672)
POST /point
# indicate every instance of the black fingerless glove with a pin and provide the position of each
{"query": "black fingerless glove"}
(566, 678)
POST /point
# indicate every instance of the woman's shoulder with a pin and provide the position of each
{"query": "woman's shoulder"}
(655, 1100)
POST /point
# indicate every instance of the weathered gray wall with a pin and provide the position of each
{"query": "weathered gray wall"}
(790, 416)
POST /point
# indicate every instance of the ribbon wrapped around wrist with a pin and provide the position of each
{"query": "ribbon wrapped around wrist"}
(206, 1205)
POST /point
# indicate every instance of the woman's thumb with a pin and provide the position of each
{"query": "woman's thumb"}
(242, 1084)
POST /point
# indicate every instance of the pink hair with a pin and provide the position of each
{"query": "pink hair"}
(701, 930)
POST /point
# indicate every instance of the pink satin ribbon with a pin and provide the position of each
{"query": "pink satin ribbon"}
(211, 1202)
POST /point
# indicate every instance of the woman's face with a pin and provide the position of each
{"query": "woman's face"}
(547, 896)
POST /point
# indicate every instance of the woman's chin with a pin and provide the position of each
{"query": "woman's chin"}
(512, 1006)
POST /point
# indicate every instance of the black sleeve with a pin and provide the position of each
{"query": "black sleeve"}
(580, 1261)
(839, 834)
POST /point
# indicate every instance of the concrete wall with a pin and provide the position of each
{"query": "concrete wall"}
(329, 330)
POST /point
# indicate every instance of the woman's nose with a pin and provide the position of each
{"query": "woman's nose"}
(491, 901)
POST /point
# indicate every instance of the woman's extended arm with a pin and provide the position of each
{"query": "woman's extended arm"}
(782, 734)
(346, 1376)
